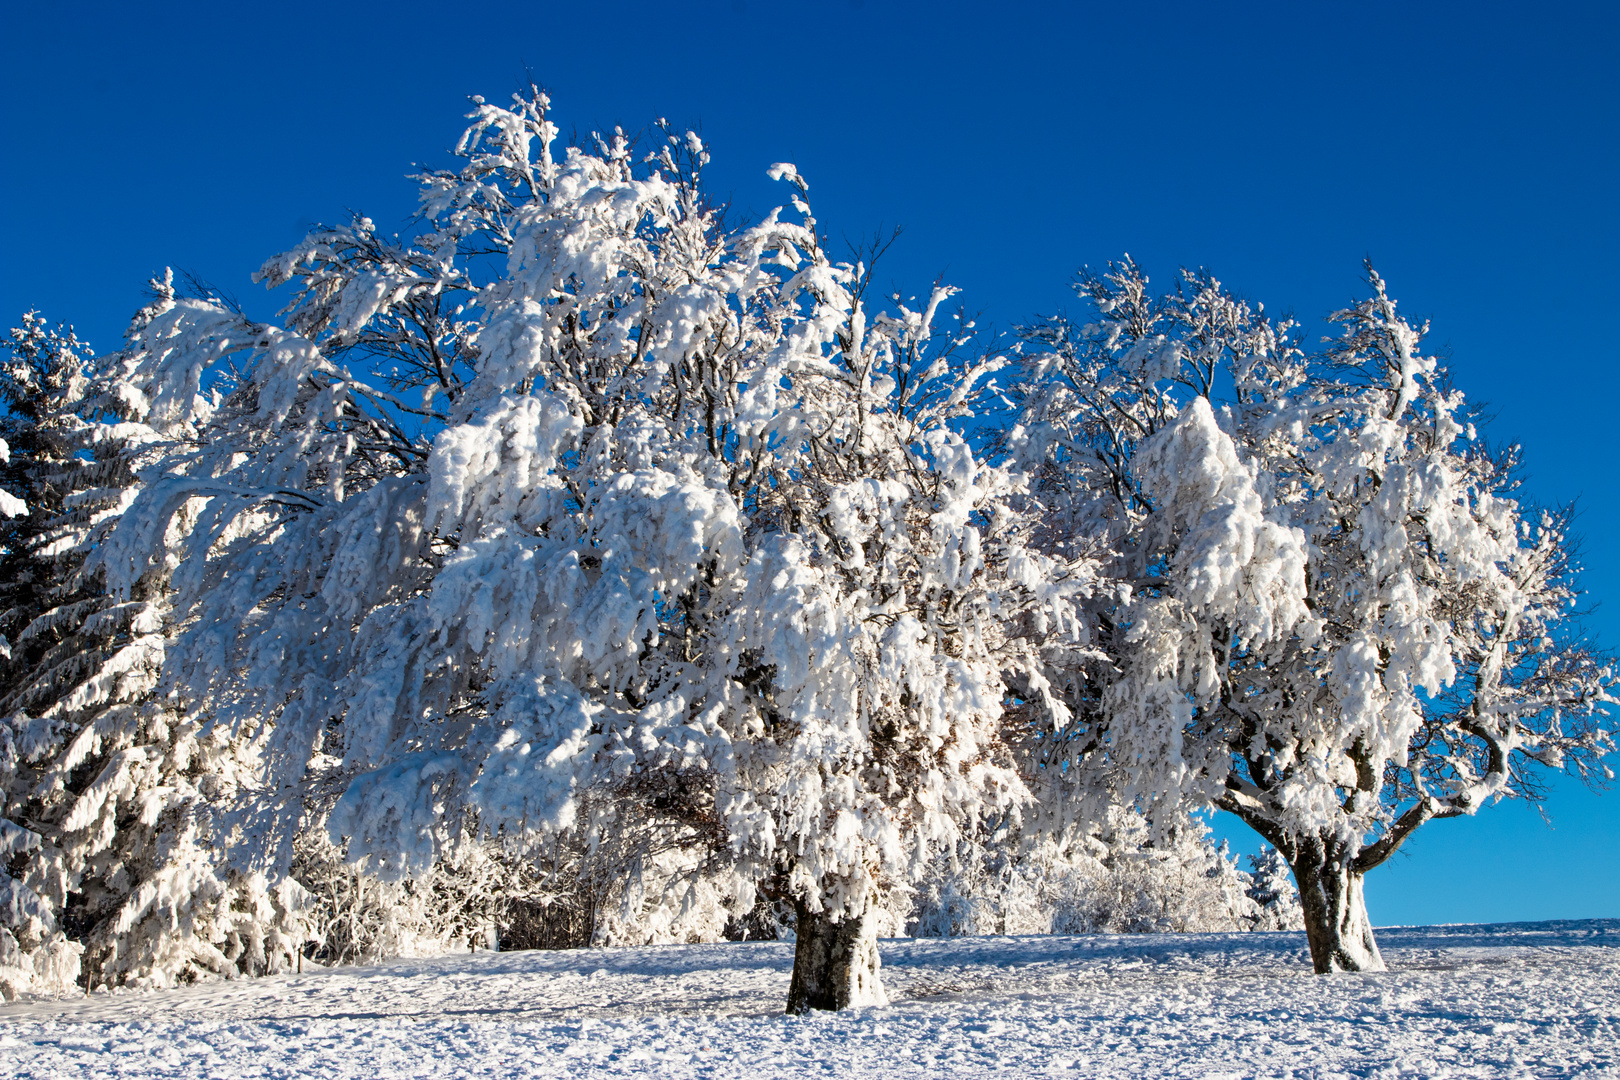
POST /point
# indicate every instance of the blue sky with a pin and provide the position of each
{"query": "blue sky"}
(1469, 149)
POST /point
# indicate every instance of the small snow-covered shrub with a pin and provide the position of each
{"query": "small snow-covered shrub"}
(361, 918)
(644, 882)
(1116, 878)
(1271, 887)
(47, 967)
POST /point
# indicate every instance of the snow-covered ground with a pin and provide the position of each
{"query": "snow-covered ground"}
(1529, 999)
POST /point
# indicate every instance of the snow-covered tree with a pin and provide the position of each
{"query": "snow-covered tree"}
(1330, 612)
(1274, 895)
(64, 654)
(113, 875)
(580, 534)
(579, 508)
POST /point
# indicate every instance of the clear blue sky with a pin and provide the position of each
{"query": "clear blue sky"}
(1469, 149)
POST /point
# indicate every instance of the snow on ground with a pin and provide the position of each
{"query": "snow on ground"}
(1520, 1000)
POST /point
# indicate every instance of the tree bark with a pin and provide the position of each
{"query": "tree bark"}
(835, 965)
(1336, 923)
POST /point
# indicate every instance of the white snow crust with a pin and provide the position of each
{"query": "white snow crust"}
(1517, 1000)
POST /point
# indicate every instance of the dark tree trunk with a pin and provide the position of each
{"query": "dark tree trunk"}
(835, 964)
(1336, 923)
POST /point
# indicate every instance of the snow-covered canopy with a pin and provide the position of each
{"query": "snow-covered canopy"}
(582, 490)
(1330, 613)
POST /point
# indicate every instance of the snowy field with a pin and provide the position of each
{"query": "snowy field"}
(1521, 1000)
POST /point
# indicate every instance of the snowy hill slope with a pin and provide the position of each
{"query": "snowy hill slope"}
(1531, 999)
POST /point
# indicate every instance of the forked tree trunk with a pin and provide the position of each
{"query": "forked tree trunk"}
(1336, 923)
(835, 964)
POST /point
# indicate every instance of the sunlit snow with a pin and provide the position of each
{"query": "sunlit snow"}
(1530, 999)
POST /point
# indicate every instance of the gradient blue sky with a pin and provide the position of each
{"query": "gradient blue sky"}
(1469, 149)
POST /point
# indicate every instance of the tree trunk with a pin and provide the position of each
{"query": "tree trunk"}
(835, 964)
(1336, 922)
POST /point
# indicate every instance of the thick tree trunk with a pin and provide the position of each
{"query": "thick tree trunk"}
(835, 964)
(1336, 922)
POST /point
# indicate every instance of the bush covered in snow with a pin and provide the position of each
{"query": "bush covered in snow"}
(1120, 877)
